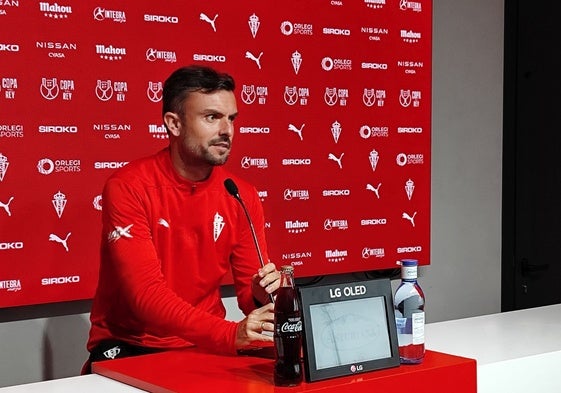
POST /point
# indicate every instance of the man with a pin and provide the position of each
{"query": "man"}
(171, 232)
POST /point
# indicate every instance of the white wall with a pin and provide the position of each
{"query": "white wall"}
(464, 277)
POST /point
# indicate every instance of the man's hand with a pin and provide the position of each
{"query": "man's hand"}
(265, 283)
(251, 328)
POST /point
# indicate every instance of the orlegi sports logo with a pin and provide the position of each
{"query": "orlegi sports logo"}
(46, 166)
(11, 130)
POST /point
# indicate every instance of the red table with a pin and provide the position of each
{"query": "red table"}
(195, 371)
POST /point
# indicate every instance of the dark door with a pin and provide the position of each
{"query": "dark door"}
(532, 155)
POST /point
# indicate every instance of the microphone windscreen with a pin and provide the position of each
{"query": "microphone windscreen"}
(231, 187)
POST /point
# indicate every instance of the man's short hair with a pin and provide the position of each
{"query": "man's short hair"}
(189, 79)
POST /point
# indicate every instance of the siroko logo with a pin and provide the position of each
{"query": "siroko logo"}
(109, 164)
(255, 130)
(58, 129)
(408, 249)
(336, 193)
(161, 19)
(9, 47)
(11, 246)
(60, 280)
(336, 31)
(296, 161)
(209, 58)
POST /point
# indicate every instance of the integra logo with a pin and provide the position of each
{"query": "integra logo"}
(60, 280)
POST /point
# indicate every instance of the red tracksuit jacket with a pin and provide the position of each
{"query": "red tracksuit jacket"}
(166, 246)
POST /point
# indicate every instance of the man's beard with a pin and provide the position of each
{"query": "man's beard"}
(218, 159)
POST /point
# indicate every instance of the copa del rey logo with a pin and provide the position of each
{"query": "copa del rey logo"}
(53, 88)
(106, 90)
(154, 91)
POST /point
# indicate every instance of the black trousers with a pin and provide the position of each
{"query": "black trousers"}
(114, 349)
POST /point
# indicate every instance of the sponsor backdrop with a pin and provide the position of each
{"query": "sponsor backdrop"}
(334, 127)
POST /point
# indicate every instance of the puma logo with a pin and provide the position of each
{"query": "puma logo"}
(6, 206)
(55, 238)
(208, 20)
(376, 190)
(293, 128)
(336, 159)
(251, 56)
(410, 218)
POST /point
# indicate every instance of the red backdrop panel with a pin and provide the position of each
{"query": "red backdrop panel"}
(334, 128)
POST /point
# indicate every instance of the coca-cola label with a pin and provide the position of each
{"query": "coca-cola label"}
(294, 327)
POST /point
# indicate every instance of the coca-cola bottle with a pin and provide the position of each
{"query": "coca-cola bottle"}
(409, 306)
(288, 332)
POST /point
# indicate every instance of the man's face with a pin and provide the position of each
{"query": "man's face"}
(206, 128)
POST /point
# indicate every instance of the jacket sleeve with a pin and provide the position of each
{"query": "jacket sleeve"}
(130, 262)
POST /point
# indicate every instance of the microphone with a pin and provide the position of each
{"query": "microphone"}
(232, 189)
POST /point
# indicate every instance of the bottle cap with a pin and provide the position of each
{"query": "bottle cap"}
(287, 269)
(409, 262)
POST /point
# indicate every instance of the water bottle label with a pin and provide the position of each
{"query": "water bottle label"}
(409, 272)
(401, 324)
(418, 328)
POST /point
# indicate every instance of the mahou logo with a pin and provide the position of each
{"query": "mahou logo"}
(375, 4)
(55, 11)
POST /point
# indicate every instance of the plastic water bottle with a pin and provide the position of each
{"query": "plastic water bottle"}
(409, 306)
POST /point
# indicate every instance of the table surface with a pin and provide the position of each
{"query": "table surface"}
(517, 349)
(499, 337)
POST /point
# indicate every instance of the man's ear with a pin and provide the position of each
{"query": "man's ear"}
(172, 122)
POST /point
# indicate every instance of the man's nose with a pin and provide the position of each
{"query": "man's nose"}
(227, 127)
